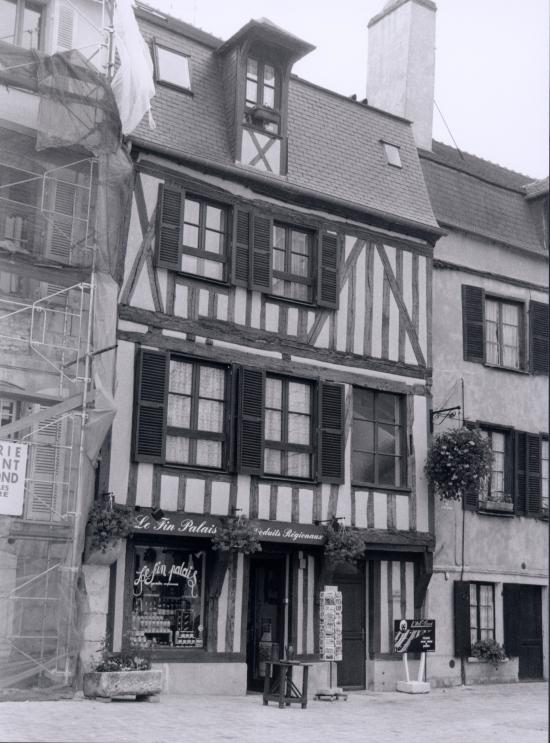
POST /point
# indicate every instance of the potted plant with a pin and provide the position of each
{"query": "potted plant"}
(342, 545)
(236, 534)
(107, 525)
(489, 651)
(459, 462)
(121, 675)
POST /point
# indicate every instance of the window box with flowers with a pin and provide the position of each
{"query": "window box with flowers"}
(458, 464)
(122, 675)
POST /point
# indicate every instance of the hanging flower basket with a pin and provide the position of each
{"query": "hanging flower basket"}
(236, 534)
(107, 526)
(343, 545)
(459, 461)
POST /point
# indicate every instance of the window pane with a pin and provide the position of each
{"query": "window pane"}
(269, 97)
(278, 260)
(181, 375)
(273, 393)
(7, 20)
(299, 291)
(299, 242)
(387, 439)
(363, 435)
(252, 68)
(387, 408)
(251, 91)
(491, 310)
(299, 398)
(510, 314)
(510, 357)
(214, 218)
(173, 68)
(213, 242)
(209, 453)
(179, 411)
(269, 75)
(192, 211)
(177, 449)
(212, 383)
(299, 429)
(278, 236)
(212, 270)
(210, 416)
(189, 263)
(278, 287)
(32, 21)
(363, 467)
(387, 474)
(299, 265)
(272, 425)
(298, 464)
(363, 404)
(190, 236)
(272, 461)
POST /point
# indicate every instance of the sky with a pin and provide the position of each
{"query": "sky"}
(492, 63)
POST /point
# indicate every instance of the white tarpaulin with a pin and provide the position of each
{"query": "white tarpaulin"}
(133, 85)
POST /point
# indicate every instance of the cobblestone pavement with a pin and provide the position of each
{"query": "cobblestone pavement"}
(507, 713)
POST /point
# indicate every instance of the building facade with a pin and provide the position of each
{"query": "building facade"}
(272, 363)
(490, 370)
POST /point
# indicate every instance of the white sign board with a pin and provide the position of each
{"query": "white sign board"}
(13, 467)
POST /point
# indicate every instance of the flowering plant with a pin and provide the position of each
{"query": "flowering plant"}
(123, 662)
(343, 544)
(490, 651)
(458, 462)
(106, 524)
(236, 534)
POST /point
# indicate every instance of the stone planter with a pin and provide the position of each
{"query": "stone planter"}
(496, 506)
(96, 556)
(143, 685)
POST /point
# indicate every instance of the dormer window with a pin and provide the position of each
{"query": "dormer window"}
(262, 95)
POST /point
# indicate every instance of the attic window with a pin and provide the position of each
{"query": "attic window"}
(172, 68)
(392, 154)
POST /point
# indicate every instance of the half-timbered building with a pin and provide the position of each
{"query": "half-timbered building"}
(273, 363)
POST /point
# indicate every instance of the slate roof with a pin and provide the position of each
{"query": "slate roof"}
(334, 145)
(479, 197)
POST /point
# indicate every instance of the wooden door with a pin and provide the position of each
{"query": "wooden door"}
(351, 669)
(265, 626)
(523, 627)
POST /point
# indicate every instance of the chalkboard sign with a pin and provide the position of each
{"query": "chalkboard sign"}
(413, 635)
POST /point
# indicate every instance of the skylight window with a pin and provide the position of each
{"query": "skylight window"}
(392, 154)
(172, 68)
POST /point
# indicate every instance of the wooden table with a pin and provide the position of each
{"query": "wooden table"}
(282, 688)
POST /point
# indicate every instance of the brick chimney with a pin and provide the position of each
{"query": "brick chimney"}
(401, 63)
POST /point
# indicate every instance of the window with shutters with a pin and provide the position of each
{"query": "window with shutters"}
(288, 428)
(292, 263)
(503, 333)
(500, 484)
(172, 68)
(196, 421)
(482, 612)
(22, 23)
(378, 439)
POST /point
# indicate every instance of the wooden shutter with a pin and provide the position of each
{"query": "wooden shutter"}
(260, 256)
(47, 472)
(472, 323)
(470, 500)
(511, 599)
(534, 494)
(520, 506)
(150, 406)
(169, 226)
(327, 271)
(331, 416)
(463, 646)
(538, 338)
(250, 435)
(509, 463)
(241, 247)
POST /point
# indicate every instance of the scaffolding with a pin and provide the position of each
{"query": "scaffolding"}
(62, 215)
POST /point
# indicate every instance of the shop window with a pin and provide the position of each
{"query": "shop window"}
(167, 598)
(474, 615)
(262, 95)
(292, 263)
(378, 456)
(172, 67)
(22, 23)
(288, 428)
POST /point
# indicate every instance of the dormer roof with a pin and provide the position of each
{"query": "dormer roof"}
(265, 31)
